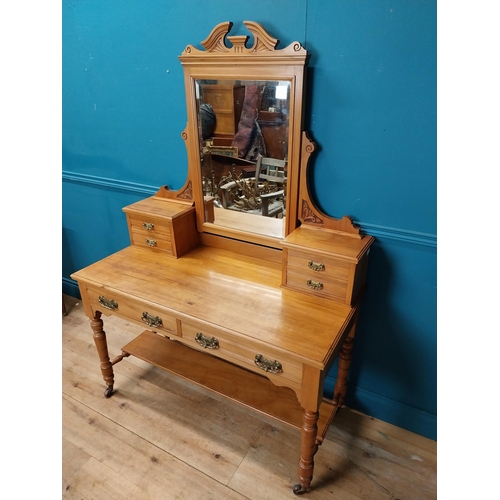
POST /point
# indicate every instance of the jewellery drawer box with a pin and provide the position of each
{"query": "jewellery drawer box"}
(325, 264)
(162, 225)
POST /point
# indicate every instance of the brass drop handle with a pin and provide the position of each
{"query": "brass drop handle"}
(107, 303)
(151, 243)
(148, 226)
(315, 285)
(316, 266)
(151, 320)
(206, 342)
(266, 365)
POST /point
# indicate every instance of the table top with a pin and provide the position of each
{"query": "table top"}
(238, 294)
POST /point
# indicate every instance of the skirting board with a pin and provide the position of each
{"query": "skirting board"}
(387, 410)
(70, 287)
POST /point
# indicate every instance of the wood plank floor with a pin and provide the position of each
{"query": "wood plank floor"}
(159, 437)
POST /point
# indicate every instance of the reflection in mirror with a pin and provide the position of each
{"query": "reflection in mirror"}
(243, 132)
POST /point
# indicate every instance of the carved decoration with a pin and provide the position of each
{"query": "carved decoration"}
(215, 43)
(308, 215)
(187, 192)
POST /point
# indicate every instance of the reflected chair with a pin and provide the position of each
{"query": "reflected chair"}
(263, 194)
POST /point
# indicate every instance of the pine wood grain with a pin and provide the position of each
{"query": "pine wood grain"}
(160, 437)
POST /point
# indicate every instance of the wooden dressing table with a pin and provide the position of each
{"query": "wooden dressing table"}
(254, 317)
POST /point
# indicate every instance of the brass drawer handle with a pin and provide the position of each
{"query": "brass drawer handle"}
(206, 342)
(148, 226)
(266, 365)
(107, 303)
(315, 285)
(151, 243)
(151, 320)
(316, 266)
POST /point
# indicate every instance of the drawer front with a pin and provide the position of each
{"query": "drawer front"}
(149, 232)
(224, 346)
(150, 226)
(152, 241)
(154, 318)
(317, 285)
(318, 267)
(316, 275)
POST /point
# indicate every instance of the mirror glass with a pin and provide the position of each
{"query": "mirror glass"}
(243, 129)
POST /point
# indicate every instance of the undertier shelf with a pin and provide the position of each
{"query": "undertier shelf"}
(224, 378)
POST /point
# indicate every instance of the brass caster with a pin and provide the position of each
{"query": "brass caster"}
(108, 391)
(297, 490)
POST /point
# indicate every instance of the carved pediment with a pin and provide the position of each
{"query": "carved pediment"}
(215, 43)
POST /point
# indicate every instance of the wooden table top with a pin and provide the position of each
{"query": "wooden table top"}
(239, 294)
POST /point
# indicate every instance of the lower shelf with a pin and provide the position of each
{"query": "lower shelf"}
(226, 379)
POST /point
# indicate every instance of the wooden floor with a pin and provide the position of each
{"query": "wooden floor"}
(161, 438)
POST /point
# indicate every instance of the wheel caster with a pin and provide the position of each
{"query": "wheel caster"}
(298, 490)
(108, 391)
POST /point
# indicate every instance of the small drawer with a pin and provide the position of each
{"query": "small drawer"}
(317, 275)
(154, 318)
(150, 226)
(243, 354)
(318, 285)
(149, 232)
(154, 241)
(319, 266)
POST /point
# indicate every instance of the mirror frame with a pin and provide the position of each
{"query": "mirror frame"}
(261, 61)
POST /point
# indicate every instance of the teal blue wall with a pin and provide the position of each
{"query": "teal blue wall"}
(371, 110)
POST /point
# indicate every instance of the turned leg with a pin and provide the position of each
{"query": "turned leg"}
(102, 350)
(345, 357)
(308, 449)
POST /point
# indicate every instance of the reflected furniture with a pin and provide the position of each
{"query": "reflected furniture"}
(263, 194)
(254, 308)
(227, 102)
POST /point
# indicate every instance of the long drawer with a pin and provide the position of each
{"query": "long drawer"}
(155, 318)
(244, 354)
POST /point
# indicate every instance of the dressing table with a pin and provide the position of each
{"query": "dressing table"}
(256, 308)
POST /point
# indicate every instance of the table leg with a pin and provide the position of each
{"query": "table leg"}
(102, 351)
(345, 357)
(308, 449)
